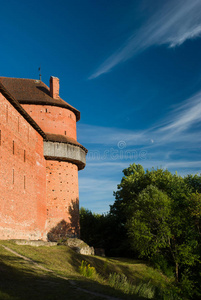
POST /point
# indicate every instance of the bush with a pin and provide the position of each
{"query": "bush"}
(121, 282)
(160, 263)
(86, 270)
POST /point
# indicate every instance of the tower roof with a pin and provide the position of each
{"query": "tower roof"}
(31, 91)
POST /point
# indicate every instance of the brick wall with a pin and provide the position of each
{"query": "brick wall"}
(62, 194)
(55, 120)
(22, 177)
(61, 177)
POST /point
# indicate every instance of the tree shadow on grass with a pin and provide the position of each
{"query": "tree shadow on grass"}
(24, 283)
(29, 284)
(20, 279)
(104, 268)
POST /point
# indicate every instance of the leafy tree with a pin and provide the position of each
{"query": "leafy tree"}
(161, 215)
(155, 215)
(194, 181)
(148, 228)
(89, 227)
(104, 231)
(195, 210)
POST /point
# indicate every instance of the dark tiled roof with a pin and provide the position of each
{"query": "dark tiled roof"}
(31, 91)
(63, 139)
(20, 109)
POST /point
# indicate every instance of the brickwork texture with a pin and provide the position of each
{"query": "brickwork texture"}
(37, 193)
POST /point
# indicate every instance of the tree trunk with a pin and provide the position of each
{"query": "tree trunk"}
(174, 259)
(177, 271)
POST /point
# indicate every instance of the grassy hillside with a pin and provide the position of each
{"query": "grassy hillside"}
(21, 279)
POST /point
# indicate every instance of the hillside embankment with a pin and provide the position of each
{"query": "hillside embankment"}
(29, 272)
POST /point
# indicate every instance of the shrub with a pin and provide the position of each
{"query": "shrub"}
(160, 263)
(121, 282)
(86, 270)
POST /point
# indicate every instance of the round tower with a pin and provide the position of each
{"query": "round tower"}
(64, 155)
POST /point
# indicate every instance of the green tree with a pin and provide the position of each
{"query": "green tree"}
(161, 215)
(195, 210)
(149, 228)
(89, 227)
(104, 231)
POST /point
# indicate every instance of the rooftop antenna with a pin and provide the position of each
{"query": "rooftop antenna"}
(39, 69)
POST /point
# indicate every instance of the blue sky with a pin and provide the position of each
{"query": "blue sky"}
(133, 69)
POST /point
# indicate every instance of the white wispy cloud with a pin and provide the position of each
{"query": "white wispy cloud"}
(119, 166)
(172, 24)
(175, 128)
(110, 136)
(185, 115)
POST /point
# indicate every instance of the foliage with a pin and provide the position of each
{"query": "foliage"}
(146, 290)
(195, 210)
(89, 224)
(86, 270)
(156, 215)
(121, 282)
(162, 215)
(161, 263)
(103, 231)
(149, 228)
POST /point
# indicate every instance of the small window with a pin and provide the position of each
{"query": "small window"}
(13, 147)
(24, 155)
(6, 113)
(46, 110)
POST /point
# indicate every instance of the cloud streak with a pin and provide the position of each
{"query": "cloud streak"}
(185, 116)
(109, 136)
(176, 128)
(172, 24)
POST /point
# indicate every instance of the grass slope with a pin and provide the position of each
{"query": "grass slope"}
(20, 279)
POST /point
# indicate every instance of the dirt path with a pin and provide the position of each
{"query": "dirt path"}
(73, 283)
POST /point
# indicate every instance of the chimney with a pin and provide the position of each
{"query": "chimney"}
(54, 87)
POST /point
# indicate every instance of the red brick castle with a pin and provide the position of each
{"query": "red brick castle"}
(39, 160)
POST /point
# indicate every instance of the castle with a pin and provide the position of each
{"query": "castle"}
(39, 161)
